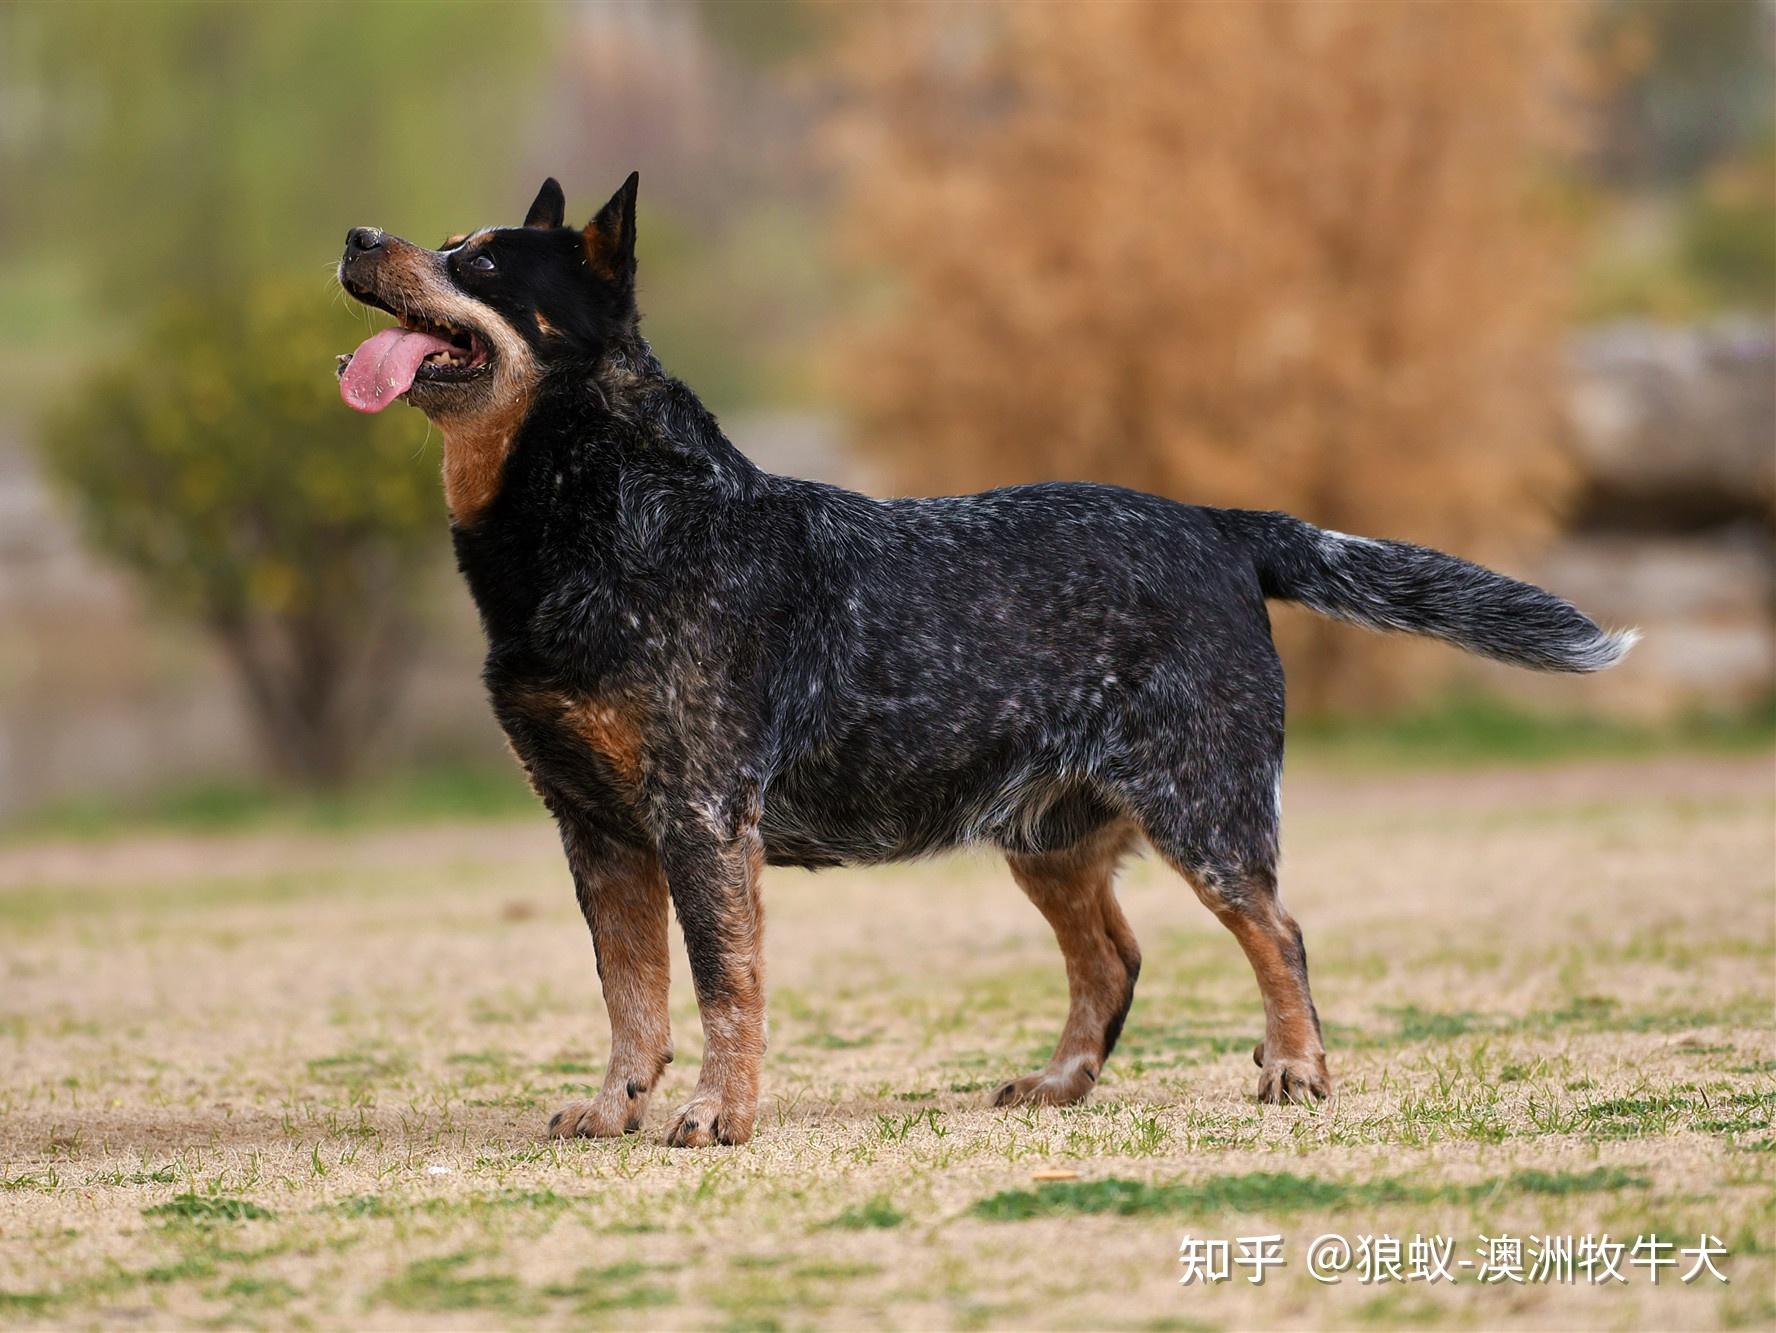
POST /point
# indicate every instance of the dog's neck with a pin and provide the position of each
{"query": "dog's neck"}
(602, 458)
(475, 452)
(668, 432)
(626, 373)
(630, 386)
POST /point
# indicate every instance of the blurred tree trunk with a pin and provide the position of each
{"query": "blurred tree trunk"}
(319, 690)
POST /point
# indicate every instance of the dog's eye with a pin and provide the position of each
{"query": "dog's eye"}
(481, 264)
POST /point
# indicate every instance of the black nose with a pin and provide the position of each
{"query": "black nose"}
(364, 238)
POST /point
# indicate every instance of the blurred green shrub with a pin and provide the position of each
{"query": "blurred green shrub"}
(214, 462)
(1728, 232)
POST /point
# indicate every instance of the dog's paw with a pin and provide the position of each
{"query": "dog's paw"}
(1047, 1087)
(1298, 1080)
(600, 1118)
(706, 1120)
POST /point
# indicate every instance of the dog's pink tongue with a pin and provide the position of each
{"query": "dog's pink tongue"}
(383, 367)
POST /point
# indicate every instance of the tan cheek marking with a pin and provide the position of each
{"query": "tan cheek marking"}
(544, 327)
(475, 450)
(477, 442)
(477, 439)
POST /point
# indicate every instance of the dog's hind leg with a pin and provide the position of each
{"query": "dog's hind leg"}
(1207, 792)
(1292, 1057)
(1074, 890)
(1232, 867)
(623, 895)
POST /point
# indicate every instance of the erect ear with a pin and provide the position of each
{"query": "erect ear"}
(550, 208)
(610, 237)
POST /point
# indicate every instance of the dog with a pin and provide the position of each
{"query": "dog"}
(705, 668)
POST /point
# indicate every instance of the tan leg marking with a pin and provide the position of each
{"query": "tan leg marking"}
(1075, 891)
(623, 895)
(1292, 1056)
(724, 1107)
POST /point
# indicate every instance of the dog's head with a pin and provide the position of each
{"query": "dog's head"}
(482, 318)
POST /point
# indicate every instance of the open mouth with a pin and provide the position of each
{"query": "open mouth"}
(417, 350)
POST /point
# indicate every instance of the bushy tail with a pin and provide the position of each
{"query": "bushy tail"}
(1390, 585)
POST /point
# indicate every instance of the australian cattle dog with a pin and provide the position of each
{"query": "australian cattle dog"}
(705, 668)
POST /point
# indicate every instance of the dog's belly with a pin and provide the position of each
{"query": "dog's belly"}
(821, 821)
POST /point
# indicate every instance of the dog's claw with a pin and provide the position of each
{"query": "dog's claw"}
(1047, 1087)
(1299, 1080)
(704, 1121)
(600, 1118)
(689, 1132)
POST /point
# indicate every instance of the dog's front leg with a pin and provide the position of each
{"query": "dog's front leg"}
(713, 869)
(622, 892)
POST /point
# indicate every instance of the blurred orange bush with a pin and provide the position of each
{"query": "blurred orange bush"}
(1301, 256)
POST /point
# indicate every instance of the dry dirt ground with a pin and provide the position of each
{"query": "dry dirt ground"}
(279, 1079)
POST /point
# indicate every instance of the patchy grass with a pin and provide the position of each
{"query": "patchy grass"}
(439, 1286)
(201, 1208)
(287, 1072)
(631, 1285)
(878, 1214)
(260, 1291)
(1272, 1193)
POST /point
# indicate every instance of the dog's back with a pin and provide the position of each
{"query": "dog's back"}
(998, 667)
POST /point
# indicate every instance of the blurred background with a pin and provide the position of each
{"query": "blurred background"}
(1495, 277)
